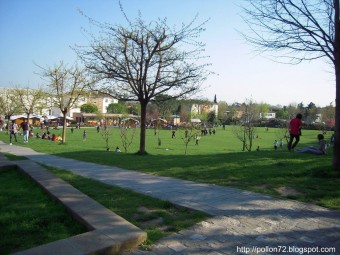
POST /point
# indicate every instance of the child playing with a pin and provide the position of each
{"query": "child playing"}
(275, 145)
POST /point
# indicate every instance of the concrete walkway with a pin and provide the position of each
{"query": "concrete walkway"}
(242, 222)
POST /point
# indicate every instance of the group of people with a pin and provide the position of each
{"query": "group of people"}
(47, 136)
(295, 126)
(28, 132)
(276, 143)
(14, 129)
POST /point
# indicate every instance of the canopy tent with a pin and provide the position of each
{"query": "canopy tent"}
(195, 121)
(129, 122)
(159, 120)
(54, 117)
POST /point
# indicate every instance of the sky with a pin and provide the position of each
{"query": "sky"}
(42, 32)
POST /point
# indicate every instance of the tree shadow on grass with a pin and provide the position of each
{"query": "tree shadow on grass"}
(263, 171)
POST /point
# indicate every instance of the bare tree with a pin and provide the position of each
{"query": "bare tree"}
(245, 131)
(282, 131)
(299, 30)
(67, 85)
(190, 134)
(106, 132)
(127, 134)
(30, 99)
(143, 60)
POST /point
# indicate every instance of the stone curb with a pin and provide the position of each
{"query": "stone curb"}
(108, 232)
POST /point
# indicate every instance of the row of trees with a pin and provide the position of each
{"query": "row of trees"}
(65, 85)
(29, 101)
(226, 113)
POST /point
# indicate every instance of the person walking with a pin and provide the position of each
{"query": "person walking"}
(24, 126)
(281, 143)
(13, 132)
(84, 136)
(275, 145)
(173, 134)
(295, 126)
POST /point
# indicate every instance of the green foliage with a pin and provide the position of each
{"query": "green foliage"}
(89, 108)
(28, 217)
(117, 108)
(128, 205)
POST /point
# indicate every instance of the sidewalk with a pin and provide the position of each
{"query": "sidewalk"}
(242, 222)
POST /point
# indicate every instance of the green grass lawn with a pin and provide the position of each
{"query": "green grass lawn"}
(28, 217)
(217, 159)
(156, 217)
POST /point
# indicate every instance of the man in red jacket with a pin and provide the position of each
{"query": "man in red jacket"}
(295, 131)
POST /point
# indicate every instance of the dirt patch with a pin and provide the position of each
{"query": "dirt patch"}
(287, 191)
(262, 186)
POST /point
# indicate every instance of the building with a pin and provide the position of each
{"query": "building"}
(102, 101)
(198, 109)
(268, 115)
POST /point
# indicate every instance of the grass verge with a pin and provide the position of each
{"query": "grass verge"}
(28, 217)
(156, 217)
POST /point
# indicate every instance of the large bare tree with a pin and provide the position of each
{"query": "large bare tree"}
(142, 60)
(66, 85)
(299, 30)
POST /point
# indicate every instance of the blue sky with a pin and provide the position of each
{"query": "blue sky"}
(42, 31)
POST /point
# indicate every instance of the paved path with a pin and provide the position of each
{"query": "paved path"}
(241, 223)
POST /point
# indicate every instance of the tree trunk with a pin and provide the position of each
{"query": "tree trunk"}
(142, 128)
(28, 119)
(336, 159)
(336, 152)
(64, 128)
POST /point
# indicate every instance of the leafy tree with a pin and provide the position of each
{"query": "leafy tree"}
(222, 108)
(166, 104)
(292, 110)
(133, 108)
(89, 108)
(211, 116)
(299, 30)
(282, 113)
(310, 113)
(328, 114)
(143, 60)
(263, 108)
(118, 108)
(301, 107)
